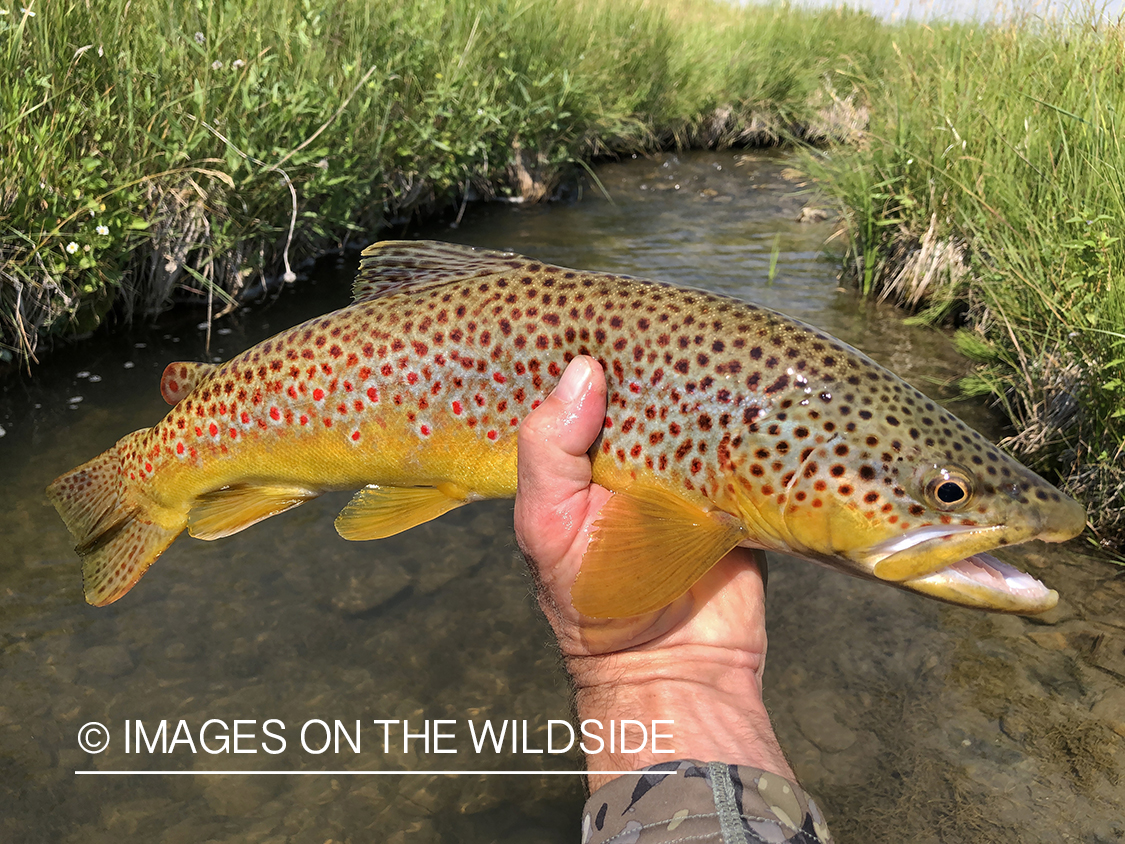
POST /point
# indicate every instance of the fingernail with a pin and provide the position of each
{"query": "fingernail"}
(574, 381)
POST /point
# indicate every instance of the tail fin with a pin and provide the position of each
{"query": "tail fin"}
(117, 538)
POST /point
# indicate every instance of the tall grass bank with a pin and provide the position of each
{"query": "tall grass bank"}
(989, 191)
(151, 150)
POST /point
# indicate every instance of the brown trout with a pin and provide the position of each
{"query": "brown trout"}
(727, 424)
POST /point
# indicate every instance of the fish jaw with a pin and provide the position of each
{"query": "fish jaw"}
(930, 547)
(948, 562)
(984, 582)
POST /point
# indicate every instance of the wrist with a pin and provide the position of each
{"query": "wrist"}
(711, 695)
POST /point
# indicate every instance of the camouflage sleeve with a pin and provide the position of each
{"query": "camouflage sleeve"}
(699, 802)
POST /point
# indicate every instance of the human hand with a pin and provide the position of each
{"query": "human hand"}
(698, 661)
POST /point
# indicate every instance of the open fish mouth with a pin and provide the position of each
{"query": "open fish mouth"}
(985, 582)
(917, 561)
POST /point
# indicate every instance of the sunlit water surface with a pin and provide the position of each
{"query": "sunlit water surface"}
(908, 719)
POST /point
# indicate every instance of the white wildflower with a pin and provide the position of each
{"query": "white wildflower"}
(102, 230)
(72, 247)
(238, 64)
(200, 38)
(216, 65)
(27, 12)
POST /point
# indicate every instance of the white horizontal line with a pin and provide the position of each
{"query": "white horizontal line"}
(361, 773)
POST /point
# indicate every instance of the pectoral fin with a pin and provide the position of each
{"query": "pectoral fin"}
(649, 549)
(231, 509)
(377, 512)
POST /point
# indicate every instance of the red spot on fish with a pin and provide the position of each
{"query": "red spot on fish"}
(214, 429)
(198, 431)
(148, 467)
(457, 408)
(492, 435)
(514, 421)
(355, 436)
(179, 448)
(318, 394)
(412, 378)
(535, 404)
(233, 433)
(498, 377)
(275, 414)
(304, 419)
(425, 430)
(245, 417)
(292, 392)
(387, 370)
(358, 405)
(372, 395)
(327, 422)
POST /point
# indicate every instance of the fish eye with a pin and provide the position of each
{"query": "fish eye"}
(949, 489)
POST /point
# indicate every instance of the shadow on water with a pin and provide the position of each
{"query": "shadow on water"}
(910, 720)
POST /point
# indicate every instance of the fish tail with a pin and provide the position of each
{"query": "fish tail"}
(119, 530)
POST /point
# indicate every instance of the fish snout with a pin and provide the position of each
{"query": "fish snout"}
(1064, 520)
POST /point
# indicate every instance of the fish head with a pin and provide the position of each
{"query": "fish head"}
(901, 491)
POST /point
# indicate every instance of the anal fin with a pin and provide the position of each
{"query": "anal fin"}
(234, 508)
(649, 548)
(376, 512)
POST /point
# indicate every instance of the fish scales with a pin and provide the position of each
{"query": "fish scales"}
(732, 410)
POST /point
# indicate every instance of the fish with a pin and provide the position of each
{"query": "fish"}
(728, 424)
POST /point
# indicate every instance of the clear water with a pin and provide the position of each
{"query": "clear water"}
(909, 720)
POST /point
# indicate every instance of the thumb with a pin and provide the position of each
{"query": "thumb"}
(553, 467)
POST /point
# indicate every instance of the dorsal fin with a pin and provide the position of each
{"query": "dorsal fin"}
(180, 378)
(410, 266)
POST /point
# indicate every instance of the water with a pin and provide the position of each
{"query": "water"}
(909, 720)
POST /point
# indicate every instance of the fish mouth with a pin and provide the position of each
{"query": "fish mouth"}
(919, 561)
(984, 582)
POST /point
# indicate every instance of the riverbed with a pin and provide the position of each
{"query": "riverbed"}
(909, 720)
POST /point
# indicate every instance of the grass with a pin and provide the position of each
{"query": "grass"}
(154, 150)
(989, 192)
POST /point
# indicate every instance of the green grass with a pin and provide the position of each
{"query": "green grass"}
(990, 192)
(152, 149)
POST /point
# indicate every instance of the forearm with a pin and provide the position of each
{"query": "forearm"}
(711, 695)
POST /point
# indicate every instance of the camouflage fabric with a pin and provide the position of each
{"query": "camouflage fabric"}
(699, 802)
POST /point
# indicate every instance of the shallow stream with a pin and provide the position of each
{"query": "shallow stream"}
(910, 721)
